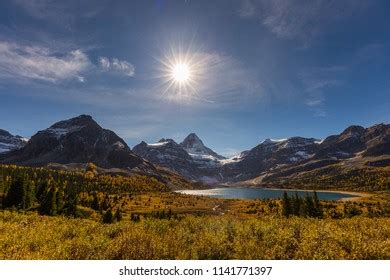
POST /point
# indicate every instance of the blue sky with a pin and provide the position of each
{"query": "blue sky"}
(260, 69)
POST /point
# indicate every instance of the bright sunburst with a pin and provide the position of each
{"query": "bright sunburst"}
(181, 72)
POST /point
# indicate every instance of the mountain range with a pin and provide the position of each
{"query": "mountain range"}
(81, 140)
(270, 157)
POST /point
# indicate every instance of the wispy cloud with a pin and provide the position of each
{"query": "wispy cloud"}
(61, 13)
(315, 101)
(372, 53)
(297, 19)
(117, 66)
(39, 63)
(316, 82)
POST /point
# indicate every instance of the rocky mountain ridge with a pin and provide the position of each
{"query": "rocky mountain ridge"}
(194, 160)
(77, 140)
(82, 140)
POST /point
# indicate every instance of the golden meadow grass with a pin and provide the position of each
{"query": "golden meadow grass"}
(30, 236)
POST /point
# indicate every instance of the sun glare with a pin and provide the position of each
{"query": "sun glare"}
(181, 72)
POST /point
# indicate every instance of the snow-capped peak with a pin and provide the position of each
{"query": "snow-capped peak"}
(65, 127)
(192, 141)
(196, 149)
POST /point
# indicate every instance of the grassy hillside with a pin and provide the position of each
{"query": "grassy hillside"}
(335, 176)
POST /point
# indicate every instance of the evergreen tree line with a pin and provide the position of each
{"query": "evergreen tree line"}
(308, 206)
(81, 181)
(48, 198)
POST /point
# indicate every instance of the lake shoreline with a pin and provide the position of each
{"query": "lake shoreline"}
(354, 195)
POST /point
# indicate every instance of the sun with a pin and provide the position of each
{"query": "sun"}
(181, 72)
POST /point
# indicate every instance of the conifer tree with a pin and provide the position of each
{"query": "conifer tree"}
(15, 194)
(308, 207)
(42, 189)
(28, 194)
(108, 217)
(317, 211)
(49, 203)
(296, 204)
(60, 201)
(286, 203)
(70, 207)
(95, 202)
(106, 202)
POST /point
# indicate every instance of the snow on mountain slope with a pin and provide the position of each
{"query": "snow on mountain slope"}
(9, 142)
(234, 159)
(60, 132)
(196, 149)
(191, 158)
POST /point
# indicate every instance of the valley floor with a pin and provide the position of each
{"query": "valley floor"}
(89, 216)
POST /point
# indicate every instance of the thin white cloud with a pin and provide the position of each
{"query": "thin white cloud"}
(319, 78)
(316, 82)
(372, 53)
(39, 63)
(61, 13)
(299, 19)
(104, 63)
(117, 66)
(315, 101)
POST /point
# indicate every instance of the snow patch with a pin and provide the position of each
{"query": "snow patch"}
(233, 159)
(203, 157)
(119, 145)
(60, 132)
(159, 144)
(4, 150)
(273, 141)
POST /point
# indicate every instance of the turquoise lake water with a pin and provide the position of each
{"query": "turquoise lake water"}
(262, 193)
